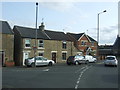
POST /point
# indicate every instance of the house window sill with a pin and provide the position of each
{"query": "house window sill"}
(40, 48)
(27, 47)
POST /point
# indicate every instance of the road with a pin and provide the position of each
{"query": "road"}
(94, 75)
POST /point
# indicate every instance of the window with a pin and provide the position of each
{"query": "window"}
(64, 45)
(40, 43)
(27, 43)
(83, 43)
(92, 43)
(64, 56)
(41, 54)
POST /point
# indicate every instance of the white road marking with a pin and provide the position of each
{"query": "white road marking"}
(46, 70)
(78, 82)
(80, 69)
(76, 86)
(80, 76)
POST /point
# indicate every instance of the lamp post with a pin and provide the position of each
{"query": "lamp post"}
(35, 47)
(98, 30)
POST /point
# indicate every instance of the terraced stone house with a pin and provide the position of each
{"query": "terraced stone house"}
(6, 44)
(50, 44)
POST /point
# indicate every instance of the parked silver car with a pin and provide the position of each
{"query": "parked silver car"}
(39, 61)
(77, 59)
(111, 60)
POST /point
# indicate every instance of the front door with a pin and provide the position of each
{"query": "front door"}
(2, 57)
(54, 57)
(25, 56)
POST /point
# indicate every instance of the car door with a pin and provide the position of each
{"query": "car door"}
(39, 61)
(45, 62)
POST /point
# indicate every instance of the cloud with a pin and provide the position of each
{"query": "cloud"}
(108, 34)
(58, 6)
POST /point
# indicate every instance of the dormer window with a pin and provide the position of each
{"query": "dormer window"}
(27, 43)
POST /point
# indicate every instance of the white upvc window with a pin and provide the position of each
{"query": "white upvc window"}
(64, 44)
(92, 43)
(27, 43)
(40, 44)
(83, 43)
(64, 55)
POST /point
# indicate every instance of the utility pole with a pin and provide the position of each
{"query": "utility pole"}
(35, 46)
(98, 31)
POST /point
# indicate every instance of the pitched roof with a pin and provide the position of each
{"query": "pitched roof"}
(5, 28)
(26, 32)
(117, 42)
(116, 46)
(91, 39)
(77, 36)
(55, 35)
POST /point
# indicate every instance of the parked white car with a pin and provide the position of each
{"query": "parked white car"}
(39, 61)
(111, 60)
(90, 58)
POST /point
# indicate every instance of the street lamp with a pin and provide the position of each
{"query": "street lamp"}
(35, 47)
(98, 25)
(98, 30)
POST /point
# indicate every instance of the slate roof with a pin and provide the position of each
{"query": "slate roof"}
(26, 32)
(55, 35)
(91, 39)
(5, 28)
(117, 42)
(77, 36)
(116, 46)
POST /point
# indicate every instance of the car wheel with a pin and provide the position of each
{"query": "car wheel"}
(28, 65)
(68, 64)
(87, 62)
(50, 64)
(105, 65)
(33, 65)
(95, 61)
(76, 63)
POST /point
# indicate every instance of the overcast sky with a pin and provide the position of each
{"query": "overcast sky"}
(74, 17)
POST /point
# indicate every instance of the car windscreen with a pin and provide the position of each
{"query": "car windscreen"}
(110, 58)
(71, 58)
(30, 58)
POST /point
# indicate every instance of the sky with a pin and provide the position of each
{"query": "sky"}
(73, 17)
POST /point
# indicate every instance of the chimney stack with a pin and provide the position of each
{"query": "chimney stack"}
(42, 26)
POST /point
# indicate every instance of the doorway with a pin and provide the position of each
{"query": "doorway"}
(25, 56)
(2, 58)
(54, 57)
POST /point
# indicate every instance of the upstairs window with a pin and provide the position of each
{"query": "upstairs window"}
(40, 43)
(92, 43)
(27, 43)
(64, 44)
(83, 43)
